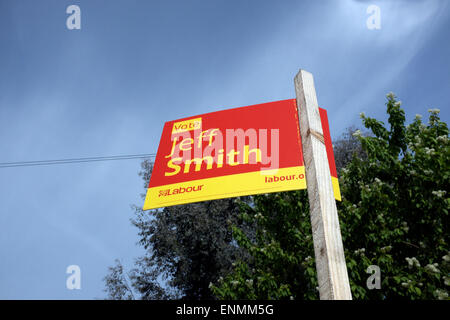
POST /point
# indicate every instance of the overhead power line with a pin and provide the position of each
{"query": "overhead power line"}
(75, 160)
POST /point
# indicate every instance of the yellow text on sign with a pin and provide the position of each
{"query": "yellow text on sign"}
(187, 125)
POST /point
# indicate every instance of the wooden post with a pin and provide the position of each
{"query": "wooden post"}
(328, 248)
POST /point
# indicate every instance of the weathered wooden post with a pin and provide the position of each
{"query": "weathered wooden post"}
(328, 248)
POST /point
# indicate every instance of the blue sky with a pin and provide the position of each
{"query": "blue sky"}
(108, 88)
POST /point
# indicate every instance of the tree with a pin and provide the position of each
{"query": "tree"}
(346, 148)
(117, 284)
(394, 214)
(187, 248)
(281, 265)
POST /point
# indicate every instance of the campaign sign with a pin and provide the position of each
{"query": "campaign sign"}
(236, 152)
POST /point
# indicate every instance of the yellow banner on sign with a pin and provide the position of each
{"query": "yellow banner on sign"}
(225, 187)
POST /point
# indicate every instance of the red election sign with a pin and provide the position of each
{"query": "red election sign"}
(230, 153)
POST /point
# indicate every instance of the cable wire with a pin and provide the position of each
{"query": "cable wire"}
(74, 160)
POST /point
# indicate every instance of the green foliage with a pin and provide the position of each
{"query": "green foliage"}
(394, 214)
(281, 266)
(117, 283)
(187, 247)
